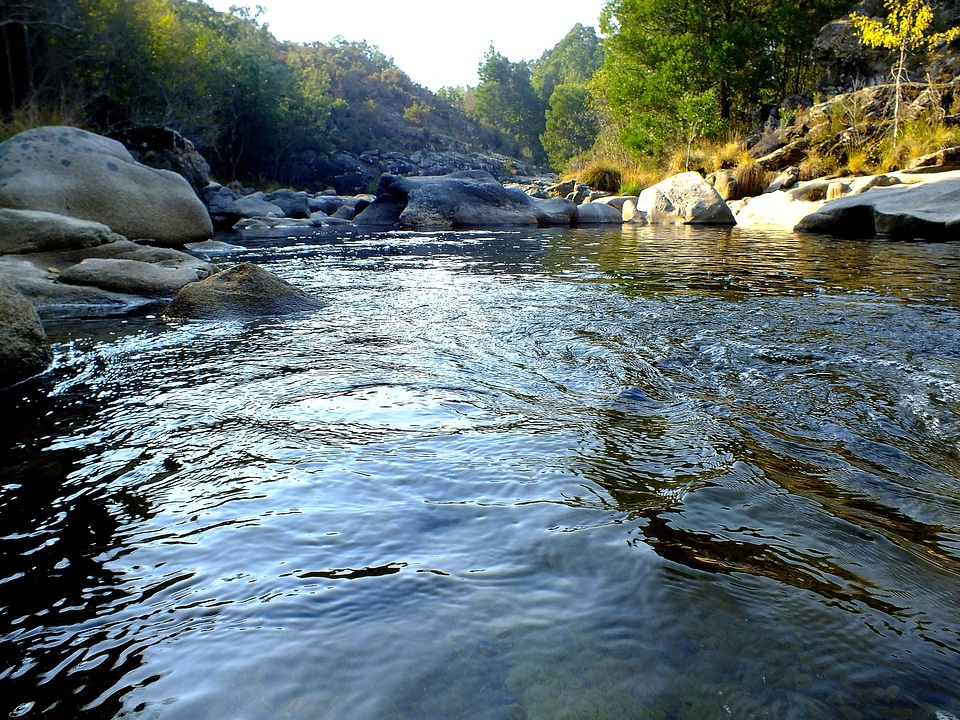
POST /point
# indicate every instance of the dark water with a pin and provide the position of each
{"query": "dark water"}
(662, 474)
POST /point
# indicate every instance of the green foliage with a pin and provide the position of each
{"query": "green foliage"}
(664, 55)
(572, 125)
(572, 61)
(904, 31)
(259, 110)
(507, 103)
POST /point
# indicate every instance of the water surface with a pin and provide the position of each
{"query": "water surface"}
(641, 473)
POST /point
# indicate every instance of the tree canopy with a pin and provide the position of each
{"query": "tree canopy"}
(255, 107)
(662, 54)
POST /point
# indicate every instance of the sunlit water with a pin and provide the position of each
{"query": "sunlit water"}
(666, 473)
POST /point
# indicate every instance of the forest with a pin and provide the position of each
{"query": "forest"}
(660, 75)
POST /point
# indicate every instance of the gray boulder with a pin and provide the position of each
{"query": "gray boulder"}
(30, 231)
(684, 199)
(72, 172)
(24, 350)
(461, 199)
(930, 211)
(257, 205)
(292, 203)
(242, 291)
(595, 213)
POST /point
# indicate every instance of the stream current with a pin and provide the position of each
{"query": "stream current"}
(666, 473)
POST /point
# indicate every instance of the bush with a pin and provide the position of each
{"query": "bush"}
(601, 176)
(751, 179)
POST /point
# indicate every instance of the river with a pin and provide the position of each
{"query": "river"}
(664, 473)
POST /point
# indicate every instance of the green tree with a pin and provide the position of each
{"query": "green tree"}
(507, 103)
(904, 31)
(574, 60)
(745, 51)
(572, 124)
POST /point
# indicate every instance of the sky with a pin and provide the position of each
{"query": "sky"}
(436, 42)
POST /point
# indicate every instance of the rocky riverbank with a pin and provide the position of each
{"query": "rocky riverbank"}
(86, 230)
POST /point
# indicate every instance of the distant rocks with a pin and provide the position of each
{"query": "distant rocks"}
(459, 200)
(242, 291)
(78, 174)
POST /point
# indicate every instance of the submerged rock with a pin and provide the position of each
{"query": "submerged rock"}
(79, 174)
(24, 350)
(244, 290)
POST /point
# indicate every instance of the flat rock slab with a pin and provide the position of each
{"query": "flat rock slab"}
(130, 277)
(928, 211)
(98, 290)
(30, 231)
(243, 291)
(72, 172)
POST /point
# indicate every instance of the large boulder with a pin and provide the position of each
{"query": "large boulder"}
(242, 291)
(929, 211)
(782, 210)
(72, 172)
(459, 200)
(30, 231)
(24, 350)
(684, 199)
(167, 149)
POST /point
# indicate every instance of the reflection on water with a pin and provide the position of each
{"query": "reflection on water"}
(651, 472)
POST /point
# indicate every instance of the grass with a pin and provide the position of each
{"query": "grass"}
(29, 116)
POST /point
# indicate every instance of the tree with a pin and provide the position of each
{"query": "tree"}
(574, 60)
(507, 102)
(904, 31)
(571, 124)
(746, 52)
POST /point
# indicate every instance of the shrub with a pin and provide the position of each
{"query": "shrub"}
(751, 179)
(601, 176)
(728, 155)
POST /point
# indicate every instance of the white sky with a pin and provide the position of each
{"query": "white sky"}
(436, 42)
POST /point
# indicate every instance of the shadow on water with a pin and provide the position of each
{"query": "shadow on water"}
(60, 652)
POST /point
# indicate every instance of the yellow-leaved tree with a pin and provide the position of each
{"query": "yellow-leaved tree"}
(904, 30)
